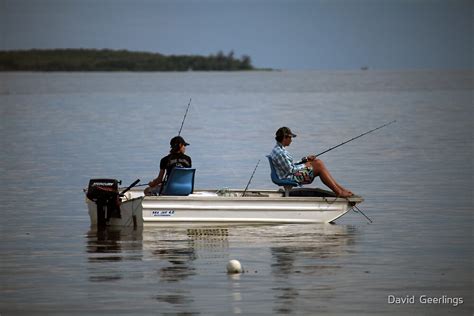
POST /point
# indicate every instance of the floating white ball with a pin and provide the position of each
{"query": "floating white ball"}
(234, 266)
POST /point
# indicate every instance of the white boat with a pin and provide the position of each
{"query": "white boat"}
(226, 206)
(180, 203)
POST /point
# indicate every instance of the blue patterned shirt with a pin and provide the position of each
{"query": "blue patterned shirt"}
(283, 162)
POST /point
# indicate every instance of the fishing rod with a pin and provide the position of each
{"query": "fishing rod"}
(354, 138)
(184, 118)
(129, 187)
(251, 177)
(179, 133)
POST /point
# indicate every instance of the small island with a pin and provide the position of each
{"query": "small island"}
(117, 60)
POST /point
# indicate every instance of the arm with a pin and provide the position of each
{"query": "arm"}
(157, 180)
(306, 159)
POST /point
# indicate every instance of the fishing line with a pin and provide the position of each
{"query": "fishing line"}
(360, 211)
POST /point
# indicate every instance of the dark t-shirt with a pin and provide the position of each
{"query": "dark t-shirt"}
(173, 160)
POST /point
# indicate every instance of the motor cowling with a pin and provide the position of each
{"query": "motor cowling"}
(105, 194)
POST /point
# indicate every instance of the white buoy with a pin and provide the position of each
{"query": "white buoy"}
(234, 266)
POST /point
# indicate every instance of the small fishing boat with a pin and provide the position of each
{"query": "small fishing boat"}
(178, 202)
(108, 207)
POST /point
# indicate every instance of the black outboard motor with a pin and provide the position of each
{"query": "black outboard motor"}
(105, 194)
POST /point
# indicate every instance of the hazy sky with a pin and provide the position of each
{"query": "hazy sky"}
(286, 34)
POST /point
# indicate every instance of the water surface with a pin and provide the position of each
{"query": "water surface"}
(61, 129)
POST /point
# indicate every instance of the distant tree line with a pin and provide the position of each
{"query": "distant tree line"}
(116, 60)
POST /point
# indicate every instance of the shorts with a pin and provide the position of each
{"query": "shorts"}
(304, 176)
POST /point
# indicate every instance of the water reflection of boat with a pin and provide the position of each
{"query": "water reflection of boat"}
(175, 264)
(112, 245)
(307, 254)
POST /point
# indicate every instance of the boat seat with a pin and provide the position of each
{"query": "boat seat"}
(287, 184)
(180, 182)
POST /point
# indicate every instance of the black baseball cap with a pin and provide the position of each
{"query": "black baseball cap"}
(177, 140)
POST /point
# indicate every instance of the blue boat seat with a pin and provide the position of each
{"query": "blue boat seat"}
(180, 182)
(287, 184)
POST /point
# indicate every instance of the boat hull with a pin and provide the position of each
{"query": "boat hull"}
(209, 206)
(250, 210)
(130, 213)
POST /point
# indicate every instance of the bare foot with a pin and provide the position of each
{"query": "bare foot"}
(344, 193)
(342, 189)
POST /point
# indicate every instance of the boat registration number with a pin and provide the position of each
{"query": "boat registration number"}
(162, 213)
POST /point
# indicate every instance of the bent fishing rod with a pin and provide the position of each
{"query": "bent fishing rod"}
(184, 118)
(354, 138)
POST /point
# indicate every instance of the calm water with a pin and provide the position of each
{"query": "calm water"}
(60, 129)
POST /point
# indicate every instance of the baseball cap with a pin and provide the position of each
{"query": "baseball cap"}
(177, 140)
(284, 131)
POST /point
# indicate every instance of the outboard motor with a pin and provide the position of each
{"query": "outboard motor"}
(105, 194)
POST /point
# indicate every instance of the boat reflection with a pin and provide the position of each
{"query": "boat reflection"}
(307, 255)
(323, 242)
(288, 253)
(180, 247)
(176, 250)
(112, 245)
(176, 265)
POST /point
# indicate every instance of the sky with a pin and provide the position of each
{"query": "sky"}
(278, 34)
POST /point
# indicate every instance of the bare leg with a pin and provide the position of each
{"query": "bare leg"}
(343, 189)
(320, 170)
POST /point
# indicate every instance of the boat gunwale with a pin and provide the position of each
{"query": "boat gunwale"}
(262, 198)
(355, 199)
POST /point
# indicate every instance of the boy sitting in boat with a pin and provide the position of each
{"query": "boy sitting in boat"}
(303, 171)
(176, 158)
